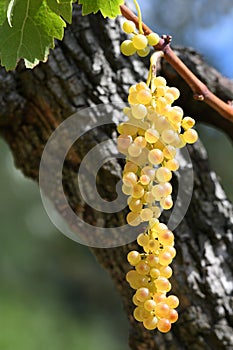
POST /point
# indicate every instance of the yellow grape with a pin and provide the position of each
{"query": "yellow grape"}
(152, 259)
(133, 219)
(166, 271)
(127, 190)
(128, 27)
(164, 325)
(145, 180)
(138, 313)
(124, 141)
(162, 310)
(159, 81)
(153, 245)
(166, 203)
(143, 294)
(169, 97)
(190, 136)
(167, 188)
(148, 197)
(172, 301)
(171, 250)
(128, 48)
(172, 164)
(130, 166)
(143, 239)
(140, 141)
(130, 179)
(149, 305)
(136, 301)
(155, 273)
(139, 111)
(139, 41)
(159, 297)
(166, 237)
(134, 150)
(132, 89)
(165, 258)
(153, 39)
(162, 284)
(142, 86)
(144, 97)
(142, 268)
(187, 123)
(143, 53)
(133, 257)
(135, 205)
(160, 91)
(163, 174)
(155, 156)
(150, 323)
(173, 316)
(138, 191)
(174, 91)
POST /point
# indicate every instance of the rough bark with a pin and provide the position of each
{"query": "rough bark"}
(87, 69)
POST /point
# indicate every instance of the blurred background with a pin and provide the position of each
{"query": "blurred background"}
(53, 294)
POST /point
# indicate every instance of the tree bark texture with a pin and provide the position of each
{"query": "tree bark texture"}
(87, 69)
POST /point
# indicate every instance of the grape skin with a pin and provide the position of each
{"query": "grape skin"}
(127, 48)
(128, 27)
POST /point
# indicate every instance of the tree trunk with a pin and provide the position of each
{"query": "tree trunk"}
(87, 69)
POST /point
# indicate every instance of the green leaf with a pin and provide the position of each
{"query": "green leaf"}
(62, 8)
(108, 8)
(34, 28)
(3, 10)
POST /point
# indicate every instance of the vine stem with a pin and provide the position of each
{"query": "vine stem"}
(139, 17)
(153, 64)
(200, 90)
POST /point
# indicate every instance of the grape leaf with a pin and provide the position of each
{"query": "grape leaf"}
(108, 8)
(62, 8)
(34, 28)
(3, 10)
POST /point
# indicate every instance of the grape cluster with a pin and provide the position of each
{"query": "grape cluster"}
(150, 279)
(138, 42)
(149, 138)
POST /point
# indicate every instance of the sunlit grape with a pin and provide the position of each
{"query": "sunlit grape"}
(128, 48)
(140, 42)
(139, 111)
(128, 27)
(153, 39)
(190, 136)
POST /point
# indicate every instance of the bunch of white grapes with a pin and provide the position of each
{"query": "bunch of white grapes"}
(150, 138)
(150, 279)
(138, 42)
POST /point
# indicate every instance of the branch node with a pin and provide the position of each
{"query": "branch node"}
(167, 38)
(198, 97)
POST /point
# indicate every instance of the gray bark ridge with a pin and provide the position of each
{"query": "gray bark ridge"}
(87, 69)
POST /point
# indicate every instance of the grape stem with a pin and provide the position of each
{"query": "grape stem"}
(139, 17)
(153, 68)
(200, 90)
